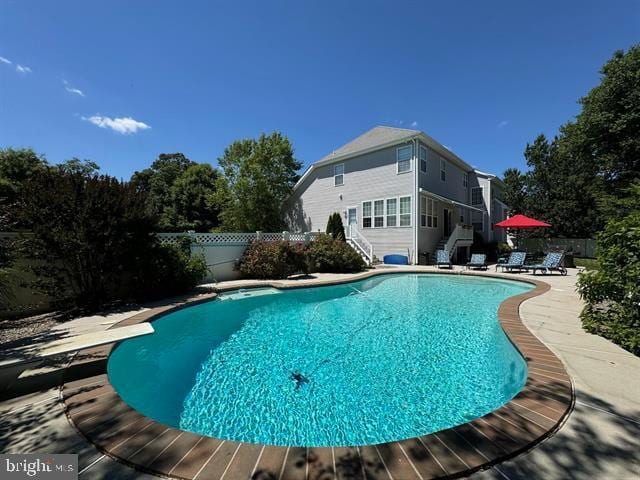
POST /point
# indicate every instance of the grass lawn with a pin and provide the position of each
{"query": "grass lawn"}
(587, 263)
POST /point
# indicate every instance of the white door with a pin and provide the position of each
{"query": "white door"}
(352, 216)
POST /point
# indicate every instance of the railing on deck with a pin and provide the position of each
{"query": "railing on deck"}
(360, 242)
(461, 233)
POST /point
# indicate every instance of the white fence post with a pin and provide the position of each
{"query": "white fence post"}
(258, 235)
(285, 236)
(307, 238)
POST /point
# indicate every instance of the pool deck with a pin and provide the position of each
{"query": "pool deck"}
(599, 439)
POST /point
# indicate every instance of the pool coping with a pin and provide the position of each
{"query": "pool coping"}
(97, 412)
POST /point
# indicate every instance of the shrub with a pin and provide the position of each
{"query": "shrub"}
(612, 291)
(93, 242)
(335, 228)
(272, 260)
(327, 255)
(170, 269)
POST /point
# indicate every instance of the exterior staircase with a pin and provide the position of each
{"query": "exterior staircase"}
(461, 236)
(360, 244)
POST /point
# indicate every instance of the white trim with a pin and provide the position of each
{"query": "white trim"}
(411, 200)
(373, 213)
(386, 215)
(338, 175)
(370, 215)
(434, 213)
(354, 207)
(448, 200)
(398, 159)
(426, 158)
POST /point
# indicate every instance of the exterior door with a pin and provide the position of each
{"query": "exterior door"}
(352, 216)
(447, 221)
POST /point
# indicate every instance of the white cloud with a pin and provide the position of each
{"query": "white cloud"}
(502, 124)
(414, 123)
(71, 89)
(5, 60)
(123, 125)
(22, 69)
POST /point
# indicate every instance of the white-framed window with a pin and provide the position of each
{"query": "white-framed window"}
(428, 212)
(392, 211)
(366, 214)
(477, 221)
(476, 196)
(443, 169)
(423, 159)
(405, 211)
(338, 174)
(403, 157)
(465, 180)
(423, 211)
(378, 213)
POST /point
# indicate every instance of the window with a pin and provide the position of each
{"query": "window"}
(405, 211)
(338, 174)
(428, 213)
(423, 159)
(443, 169)
(403, 156)
(465, 180)
(392, 210)
(477, 220)
(476, 196)
(366, 214)
(378, 213)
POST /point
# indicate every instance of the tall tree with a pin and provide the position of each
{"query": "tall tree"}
(515, 193)
(81, 167)
(158, 181)
(258, 176)
(609, 123)
(194, 200)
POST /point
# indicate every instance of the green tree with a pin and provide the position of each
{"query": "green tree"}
(16, 167)
(515, 193)
(158, 181)
(194, 199)
(609, 122)
(612, 290)
(335, 228)
(257, 177)
(92, 241)
(82, 167)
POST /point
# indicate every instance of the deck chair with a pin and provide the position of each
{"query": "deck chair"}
(516, 261)
(552, 262)
(442, 259)
(478, 260)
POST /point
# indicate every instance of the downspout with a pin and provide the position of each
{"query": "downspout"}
(416, 201)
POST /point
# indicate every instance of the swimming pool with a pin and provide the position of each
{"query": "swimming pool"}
(387, 358)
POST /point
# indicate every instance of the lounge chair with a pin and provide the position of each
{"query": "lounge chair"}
(552, 261)
(516, 261)
(478, 260)
(442, 259)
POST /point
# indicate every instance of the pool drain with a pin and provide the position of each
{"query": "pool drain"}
(299, 379)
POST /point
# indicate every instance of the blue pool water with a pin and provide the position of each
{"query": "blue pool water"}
(387, 358)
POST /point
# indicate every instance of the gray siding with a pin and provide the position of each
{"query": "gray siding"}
(372, 176)
(452, 187)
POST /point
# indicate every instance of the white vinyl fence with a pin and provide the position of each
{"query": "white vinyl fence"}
(222, 250)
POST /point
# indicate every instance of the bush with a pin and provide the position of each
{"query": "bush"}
(327, 255)
(93, 242)
(612, 291)
(335, 228)
(170, 269)
(272, 260)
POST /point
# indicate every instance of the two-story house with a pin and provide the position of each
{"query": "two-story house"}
(399, 191)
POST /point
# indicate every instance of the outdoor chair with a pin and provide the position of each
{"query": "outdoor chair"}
(552, 262)
(516, 261)
(478, 260)
(442, 259)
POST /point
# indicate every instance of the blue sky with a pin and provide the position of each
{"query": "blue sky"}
(119, 82)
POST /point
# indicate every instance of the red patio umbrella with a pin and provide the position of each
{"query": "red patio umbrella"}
(521, 222)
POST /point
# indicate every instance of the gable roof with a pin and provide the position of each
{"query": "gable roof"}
(381, 137)
(375, 137)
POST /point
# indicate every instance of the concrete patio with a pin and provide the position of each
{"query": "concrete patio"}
(600, 439)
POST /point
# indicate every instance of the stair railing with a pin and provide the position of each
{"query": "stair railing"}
(460, 232)
(360, 242)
